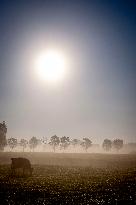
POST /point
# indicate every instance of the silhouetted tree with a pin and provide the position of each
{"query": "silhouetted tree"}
(75, 142)
(23, 143)
(12, 142)
(33, 142)
(3, 131)
(117, 144)
(54, 142)
(40, 142)
(107, 144)
(44, 140)
(86, 143)
(65, 141)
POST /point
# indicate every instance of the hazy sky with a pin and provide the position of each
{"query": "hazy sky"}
(97, 98)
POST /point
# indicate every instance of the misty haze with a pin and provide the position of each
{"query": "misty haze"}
(67, 102)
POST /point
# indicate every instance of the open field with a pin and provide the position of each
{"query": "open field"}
(70, 179)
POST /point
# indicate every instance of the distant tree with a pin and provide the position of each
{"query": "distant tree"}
(107, 144)
(40, 142)
(12, 142)
(23, 143)
(117, 144)
(86, 143)
(44, 140)
(33, 142)
(65, 141)
(54, 142)
(75, 142)
(3, 131)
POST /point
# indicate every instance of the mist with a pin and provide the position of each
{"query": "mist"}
(129, 148)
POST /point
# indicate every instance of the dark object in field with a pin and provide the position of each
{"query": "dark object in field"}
(22, 163)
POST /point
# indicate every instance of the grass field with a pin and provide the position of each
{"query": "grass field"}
(70, 179)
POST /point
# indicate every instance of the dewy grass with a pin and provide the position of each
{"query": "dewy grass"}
(55, 183)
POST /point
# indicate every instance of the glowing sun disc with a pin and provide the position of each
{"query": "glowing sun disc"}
(50, 66)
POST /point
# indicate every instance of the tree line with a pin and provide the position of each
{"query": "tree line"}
(62, 143)
(55, 142)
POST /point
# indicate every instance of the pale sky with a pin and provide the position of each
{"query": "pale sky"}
(97, 97)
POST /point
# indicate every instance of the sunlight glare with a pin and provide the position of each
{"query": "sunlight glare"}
(50, 66)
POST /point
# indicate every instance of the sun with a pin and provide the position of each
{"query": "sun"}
(51, 66)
